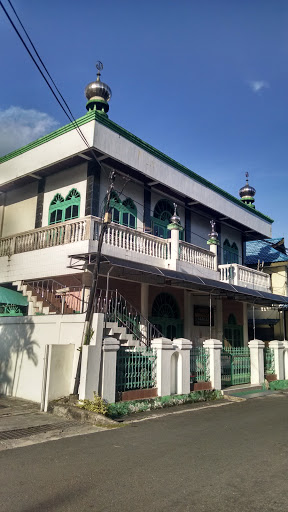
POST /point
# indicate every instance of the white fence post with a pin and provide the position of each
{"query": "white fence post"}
(164, 349)
(109, 362)
(278, 347)
(285, 343)
(214, 347)
(257, 361)
(183, 375)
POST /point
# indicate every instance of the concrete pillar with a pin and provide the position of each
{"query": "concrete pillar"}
(183, 346)
(257, 361)
(145, 299)
(219, 319)
(278, 347)
(164, 349)
(245, 325)
(214, 347)
(91, 360)
(285, 343)
(109, 362)
(213, 242)
(188, 314)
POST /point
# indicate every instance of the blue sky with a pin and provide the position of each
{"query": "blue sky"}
(204, 81)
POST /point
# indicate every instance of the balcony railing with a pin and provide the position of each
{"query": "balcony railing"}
(196, 255)
(243, 276)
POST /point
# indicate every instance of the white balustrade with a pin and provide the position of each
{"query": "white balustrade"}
(244, 276)
(196, 255)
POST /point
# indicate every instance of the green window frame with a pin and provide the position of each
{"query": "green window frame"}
(233, 333)
(61, 209)
(163, 212)
(230, 252)
(123, 213)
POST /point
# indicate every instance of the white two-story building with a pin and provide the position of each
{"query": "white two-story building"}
(52, 197)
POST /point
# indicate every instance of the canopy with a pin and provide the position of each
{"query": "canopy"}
(10, 297)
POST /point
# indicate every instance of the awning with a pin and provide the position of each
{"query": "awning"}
(10, 297)
(264, 321)
(140, 272)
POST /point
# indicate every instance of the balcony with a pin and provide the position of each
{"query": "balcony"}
(246, 277)
(81, 235)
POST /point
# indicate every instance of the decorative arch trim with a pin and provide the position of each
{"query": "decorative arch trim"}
(61, 209)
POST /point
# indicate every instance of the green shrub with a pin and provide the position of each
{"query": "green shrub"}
(278, 384)
(96, 405)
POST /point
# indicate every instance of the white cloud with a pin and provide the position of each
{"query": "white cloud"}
(18, 127)
(258, 85)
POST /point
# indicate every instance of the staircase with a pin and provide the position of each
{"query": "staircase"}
(120, 333)
(42, 297)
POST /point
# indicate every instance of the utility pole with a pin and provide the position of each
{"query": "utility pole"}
(87, 332)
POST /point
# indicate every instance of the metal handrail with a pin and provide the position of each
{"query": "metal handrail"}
(117, 309)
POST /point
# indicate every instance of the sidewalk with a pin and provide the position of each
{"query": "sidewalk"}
(22, 423)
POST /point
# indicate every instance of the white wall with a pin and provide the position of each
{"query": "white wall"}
(62, 182)
(200, 229)
(22, 348)
(20, 209)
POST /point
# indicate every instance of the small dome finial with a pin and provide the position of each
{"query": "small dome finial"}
(98, 93)
(247, 193)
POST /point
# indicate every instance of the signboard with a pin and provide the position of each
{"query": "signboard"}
(202, 316)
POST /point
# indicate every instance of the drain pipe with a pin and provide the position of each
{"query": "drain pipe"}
(210, 319)
(107, 291)
(254, 325)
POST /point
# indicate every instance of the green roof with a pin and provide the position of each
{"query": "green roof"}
(10, 297)
(93, 115)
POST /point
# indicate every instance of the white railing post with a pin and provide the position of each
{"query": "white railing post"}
(164, 349)
(257, 361)
(278, 347)
(109, 362)
(183, 374)
(214, 347)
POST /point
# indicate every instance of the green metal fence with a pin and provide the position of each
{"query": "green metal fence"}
(235, 366)
(269, 363)
(199, 365)
(136, 368)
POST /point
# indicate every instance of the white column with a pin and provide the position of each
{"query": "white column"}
(214, 250)
(109, 354)
(257, 361)
(278, 347)
(91, 360)
(285, 343)
(164, 349)
(214, 347)
(183, 374)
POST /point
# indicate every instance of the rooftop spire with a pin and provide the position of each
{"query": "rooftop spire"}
(247, 193)
(98, 93)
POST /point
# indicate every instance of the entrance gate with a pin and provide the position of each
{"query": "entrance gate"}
(235, 366)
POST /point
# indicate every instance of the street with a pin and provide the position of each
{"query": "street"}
(232, 457)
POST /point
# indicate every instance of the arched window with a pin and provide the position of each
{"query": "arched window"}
(124, 213)
(230, 252)
(163, 212)
(129, 213)
(166, 316)
(61, 209)
(72, 204)
(56, 209)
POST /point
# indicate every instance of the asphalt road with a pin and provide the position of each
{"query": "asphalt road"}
(230, 458)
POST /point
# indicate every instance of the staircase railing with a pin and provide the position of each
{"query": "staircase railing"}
(117, 309)
(47, 289)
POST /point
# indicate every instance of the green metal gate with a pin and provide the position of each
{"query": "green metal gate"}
(235, 366)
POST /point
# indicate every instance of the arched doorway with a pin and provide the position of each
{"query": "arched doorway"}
(166, 316)
(233, 333)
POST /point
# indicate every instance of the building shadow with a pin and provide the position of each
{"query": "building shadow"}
(16, 342)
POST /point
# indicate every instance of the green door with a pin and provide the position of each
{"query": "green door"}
(166, 316)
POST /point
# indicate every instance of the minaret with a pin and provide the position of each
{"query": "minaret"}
(247, 193)
(98, 93)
